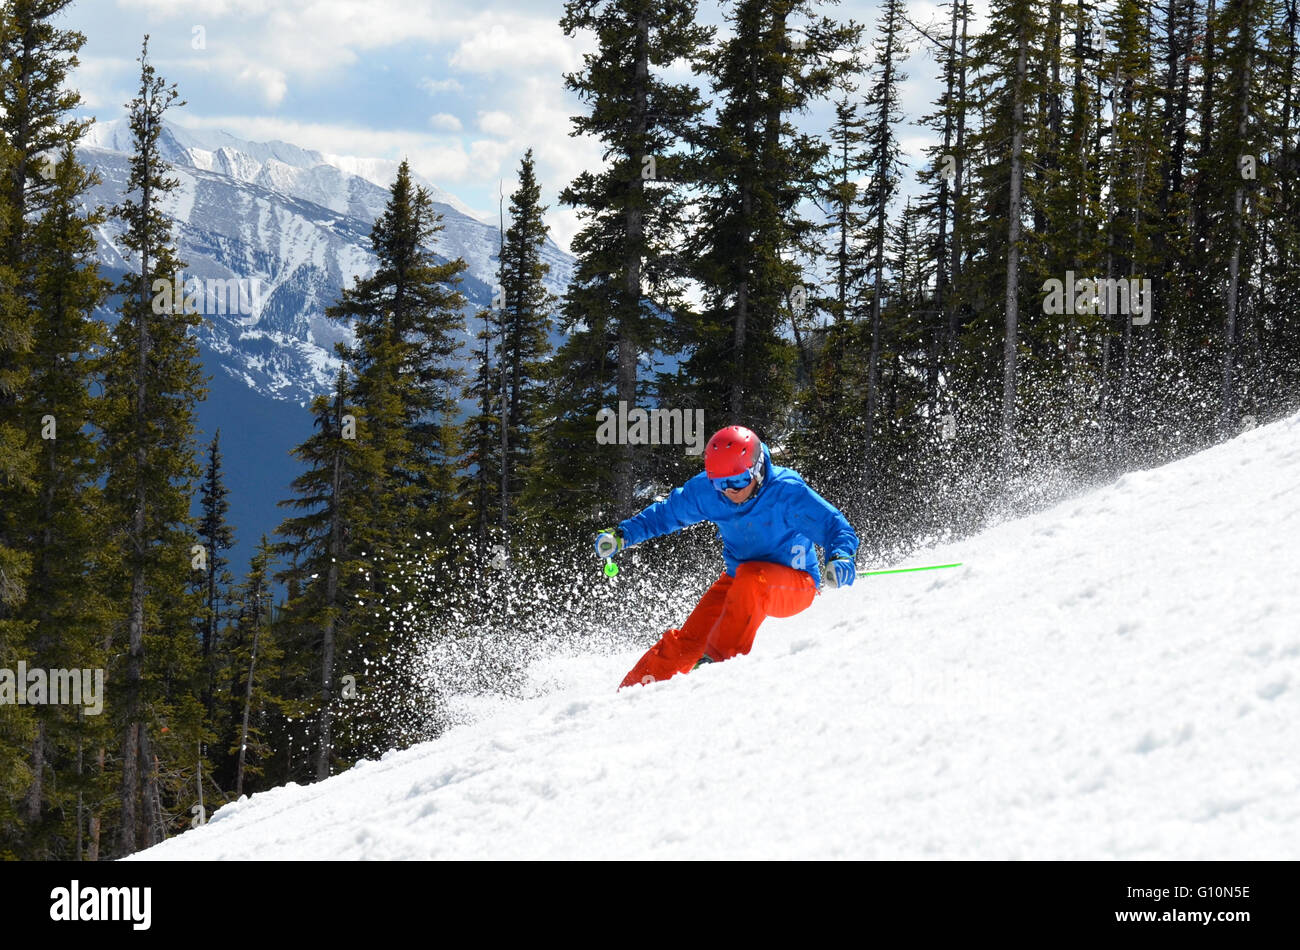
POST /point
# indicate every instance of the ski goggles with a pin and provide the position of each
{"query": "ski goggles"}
(732, 482)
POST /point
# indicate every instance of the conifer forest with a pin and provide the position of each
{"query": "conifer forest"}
(1081, 257)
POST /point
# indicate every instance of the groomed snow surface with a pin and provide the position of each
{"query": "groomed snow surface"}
(1117, 677)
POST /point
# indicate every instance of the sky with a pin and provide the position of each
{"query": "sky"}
(460, 88)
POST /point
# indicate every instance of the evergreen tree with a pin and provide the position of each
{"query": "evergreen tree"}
(1279, 330)
(329, 550)
(754, 171)
(1130, 169)
(151, 383)
(1006, 92)
(1177, 50)
(407, 322)
(1233, 162)
(480, 486)
(1064, 370)
(571, 482)
(35, 59)
(47, 496)
(831, 423)
(17, 465)
(217, 536)
(522, 324)
(848, 162)
(629, 277)
(253, 656)
(66, 605)
(905, 439)
(499, 463)
(946, 178)
(885, 169)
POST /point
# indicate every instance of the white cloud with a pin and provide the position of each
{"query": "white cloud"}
(270, 83)
(514, 44)
(304, 39)
(537, 116)
(436, 160)
(434, 86)
(496, 122)
(499, 70)
(487, 154)
(94, 78)
(564, 225)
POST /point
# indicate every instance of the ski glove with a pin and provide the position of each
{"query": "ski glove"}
(609, 542)
(846, 572)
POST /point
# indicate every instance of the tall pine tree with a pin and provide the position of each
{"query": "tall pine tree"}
(329, 549)
(522, 324)
(152, 380)
(754, 170)
(50, 247)
(628, 279)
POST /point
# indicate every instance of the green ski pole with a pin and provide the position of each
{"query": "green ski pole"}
(830, 577)
(904, 570)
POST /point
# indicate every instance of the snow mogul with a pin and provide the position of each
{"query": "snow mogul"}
(768, 519)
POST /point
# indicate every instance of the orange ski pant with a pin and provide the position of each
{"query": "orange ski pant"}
(723, 623)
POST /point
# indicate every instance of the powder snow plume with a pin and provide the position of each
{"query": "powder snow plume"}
(1115, 677)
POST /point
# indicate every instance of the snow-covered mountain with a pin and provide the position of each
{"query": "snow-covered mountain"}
(297, 222)
(1115, 677)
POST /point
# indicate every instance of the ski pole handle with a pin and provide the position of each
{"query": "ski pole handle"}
(607, 544)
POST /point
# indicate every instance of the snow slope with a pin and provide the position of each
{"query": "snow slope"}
(1117, 677)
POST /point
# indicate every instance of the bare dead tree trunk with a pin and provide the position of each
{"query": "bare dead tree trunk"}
(842, 257)
(1229, 407)
(1013, 248)
(1132, 340)
(502, 353)
(96, 817)
(154, 831)
(248, 705)
(1200, 211)
(958, 173)
(32, 802)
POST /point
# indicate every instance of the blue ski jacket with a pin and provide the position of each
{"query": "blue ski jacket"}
(780, 522)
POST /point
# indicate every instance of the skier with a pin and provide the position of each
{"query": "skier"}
(769, 519)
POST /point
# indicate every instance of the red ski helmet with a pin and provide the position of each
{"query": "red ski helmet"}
(733, 451)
